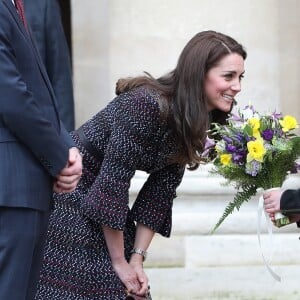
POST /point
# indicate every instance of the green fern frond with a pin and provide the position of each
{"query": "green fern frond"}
(240, 197)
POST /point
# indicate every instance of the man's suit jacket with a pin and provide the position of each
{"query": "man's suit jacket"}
(290, 202)
(34, 145)
(45, 20)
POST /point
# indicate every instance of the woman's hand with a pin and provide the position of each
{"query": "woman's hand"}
(128, 276)
(115, 244)
(137, 264)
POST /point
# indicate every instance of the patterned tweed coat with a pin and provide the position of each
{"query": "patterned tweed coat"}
(128, 135)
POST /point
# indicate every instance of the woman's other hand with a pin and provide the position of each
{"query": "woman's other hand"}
(137, 264)
(128, 276)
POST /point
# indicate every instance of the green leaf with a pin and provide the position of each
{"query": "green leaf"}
(248, 130)
(240, 197)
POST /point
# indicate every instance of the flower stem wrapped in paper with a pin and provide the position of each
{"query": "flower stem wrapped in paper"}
(254, 151)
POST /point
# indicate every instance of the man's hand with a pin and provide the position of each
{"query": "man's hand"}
(69, 176)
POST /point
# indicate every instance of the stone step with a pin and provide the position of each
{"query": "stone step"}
(194, 264)
(223, 250)
(202, 182)
(224, 283)
(201, 219)
(223, 267)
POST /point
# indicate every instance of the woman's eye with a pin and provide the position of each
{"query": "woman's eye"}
(241, 77)
(228, 76)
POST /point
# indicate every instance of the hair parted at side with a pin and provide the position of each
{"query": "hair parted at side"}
(183, 89)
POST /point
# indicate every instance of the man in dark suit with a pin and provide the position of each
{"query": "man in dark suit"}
(36, 155)
(44, 19)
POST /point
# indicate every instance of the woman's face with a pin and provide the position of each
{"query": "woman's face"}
(223, 82)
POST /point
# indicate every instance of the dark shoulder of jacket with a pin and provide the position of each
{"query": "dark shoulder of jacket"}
(290, 200)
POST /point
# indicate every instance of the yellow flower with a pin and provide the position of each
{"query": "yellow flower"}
(225, 159)
(255, 125)
(288, 123)
(256, 150)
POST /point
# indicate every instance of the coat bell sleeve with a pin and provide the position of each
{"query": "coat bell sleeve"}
(153, 206)
(135, 122)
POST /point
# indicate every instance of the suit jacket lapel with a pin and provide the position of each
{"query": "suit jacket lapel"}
(42, 68)
(15, 15)
(44, 73)
(28, 35)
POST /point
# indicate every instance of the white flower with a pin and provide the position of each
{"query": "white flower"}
(247, 113)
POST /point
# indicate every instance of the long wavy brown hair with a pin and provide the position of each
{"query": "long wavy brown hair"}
(183, 91)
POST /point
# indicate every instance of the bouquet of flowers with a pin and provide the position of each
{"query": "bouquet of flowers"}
(252, 152)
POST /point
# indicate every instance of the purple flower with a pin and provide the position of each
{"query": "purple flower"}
(230, 148)
(238, 158)
(234, 117)
(276, 115)
(249, 138)
(251, 107)
(209, 143)
(253, 168)
(227, 139)
(239, 137)
(267, 134)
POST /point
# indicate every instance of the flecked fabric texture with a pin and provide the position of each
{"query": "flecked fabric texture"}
(129, 135)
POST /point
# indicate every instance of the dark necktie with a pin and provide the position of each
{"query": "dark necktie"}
(20, 8)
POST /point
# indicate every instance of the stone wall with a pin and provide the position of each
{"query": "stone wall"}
(117, 38)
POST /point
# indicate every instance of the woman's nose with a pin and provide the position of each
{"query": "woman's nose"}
(236, 86)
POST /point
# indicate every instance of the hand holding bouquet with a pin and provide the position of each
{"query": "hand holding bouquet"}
(254, 151)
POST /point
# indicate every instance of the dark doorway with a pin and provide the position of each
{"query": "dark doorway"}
(65, 6)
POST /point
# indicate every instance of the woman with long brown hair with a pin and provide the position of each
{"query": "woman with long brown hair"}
(96, 243)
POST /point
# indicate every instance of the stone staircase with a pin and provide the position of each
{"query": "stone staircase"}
(195, 264)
